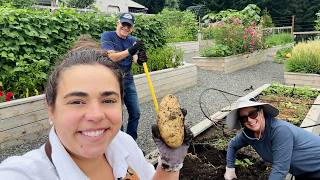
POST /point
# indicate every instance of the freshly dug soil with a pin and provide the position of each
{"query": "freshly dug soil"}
(205, 161)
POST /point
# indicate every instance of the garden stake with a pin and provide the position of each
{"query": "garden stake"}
(155, 102)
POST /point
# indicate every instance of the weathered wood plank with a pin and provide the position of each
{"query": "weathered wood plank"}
(23, 119)
(141, 79)
(22, 133)
(20, 109)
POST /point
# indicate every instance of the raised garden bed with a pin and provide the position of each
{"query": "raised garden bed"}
(236, 62)
(302, 79)
(230, 63)
(27, 119)
(206, 158)
(187, 47)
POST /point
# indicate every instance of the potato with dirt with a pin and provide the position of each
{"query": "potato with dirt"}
(170, 121)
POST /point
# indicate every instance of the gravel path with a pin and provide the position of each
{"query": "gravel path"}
(236, 82)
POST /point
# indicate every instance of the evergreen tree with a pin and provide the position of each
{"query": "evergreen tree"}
(79, 3)
(172, 4)
(281, 11)
(154, 6)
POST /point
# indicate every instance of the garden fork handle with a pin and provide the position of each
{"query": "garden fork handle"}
(154, 99)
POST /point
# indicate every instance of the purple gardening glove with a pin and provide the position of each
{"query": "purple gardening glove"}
(172, 159)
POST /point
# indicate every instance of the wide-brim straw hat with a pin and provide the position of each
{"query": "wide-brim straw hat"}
(233, 117)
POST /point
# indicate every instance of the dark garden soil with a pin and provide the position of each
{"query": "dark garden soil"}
(205, 161)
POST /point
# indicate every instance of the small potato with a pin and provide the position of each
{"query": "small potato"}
(170, 121)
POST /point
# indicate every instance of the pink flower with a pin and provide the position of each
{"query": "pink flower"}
(9, 96)
(1, 93)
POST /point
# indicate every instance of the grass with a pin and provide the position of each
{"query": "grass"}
(305, 58)
(278, 39)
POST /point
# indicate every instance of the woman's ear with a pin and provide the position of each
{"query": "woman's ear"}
(50, 115)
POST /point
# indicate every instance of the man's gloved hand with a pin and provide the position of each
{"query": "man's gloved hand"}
(138, 46)
(171, 160)
(230, 174)
(142, 57)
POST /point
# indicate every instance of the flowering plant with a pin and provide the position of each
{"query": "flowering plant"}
(6, 96)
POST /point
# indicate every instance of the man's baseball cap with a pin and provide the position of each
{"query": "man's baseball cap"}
(127, 18)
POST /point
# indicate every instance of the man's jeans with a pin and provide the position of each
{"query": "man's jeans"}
(132, 103)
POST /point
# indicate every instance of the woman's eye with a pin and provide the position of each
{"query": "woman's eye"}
(109, 101)
(76, 102)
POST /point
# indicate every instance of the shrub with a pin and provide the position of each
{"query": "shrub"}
(238, 38)
(266, 20)
(18, 3)
(150, 30)
(161, 58)
(236, 29)
(179, 25)
(253, 39)
(305, 58)
(216, 50)
(79, 3)
(247, 16)
(278, 39)
(32, 41)
(208, 33)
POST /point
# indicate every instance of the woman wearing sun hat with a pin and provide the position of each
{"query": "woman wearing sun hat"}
(289, 148)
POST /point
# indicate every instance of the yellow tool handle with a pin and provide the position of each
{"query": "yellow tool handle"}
(155, 102)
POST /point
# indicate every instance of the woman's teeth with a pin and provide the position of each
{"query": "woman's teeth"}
(92, 133)
(253, 123)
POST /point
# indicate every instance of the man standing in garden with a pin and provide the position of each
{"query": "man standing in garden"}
(124, 49)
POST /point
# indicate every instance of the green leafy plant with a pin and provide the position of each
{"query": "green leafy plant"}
(266, 20)
(179, 25)
(243, 163)
(150, 30)
(305, 58)
(18, 3)
(161, 58)
(221, 143)
(278, 39)
(238, 38)
(290, 91)
(32, 41)
(208, 33)
(79, 3)
(283, 55)
(216, 50)
(247, 16)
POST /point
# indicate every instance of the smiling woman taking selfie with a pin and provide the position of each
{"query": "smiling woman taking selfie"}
(85, 98)
(289, 148)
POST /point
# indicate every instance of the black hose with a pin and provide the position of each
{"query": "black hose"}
(225, 92)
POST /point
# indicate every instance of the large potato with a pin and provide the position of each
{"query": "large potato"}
(170, 121)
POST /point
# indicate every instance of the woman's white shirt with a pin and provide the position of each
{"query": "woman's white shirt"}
(123, 152)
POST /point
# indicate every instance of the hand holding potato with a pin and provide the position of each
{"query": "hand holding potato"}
(170, 134)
